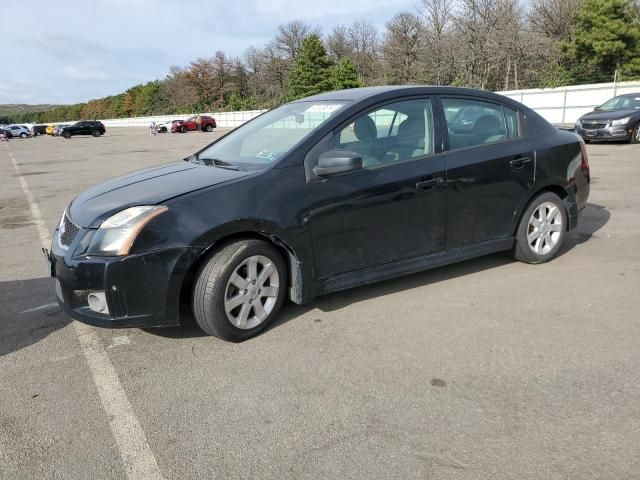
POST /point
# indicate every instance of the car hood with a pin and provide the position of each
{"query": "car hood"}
(609, 115)
(145, 187)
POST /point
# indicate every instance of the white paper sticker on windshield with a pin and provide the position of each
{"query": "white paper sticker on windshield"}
(323, 108)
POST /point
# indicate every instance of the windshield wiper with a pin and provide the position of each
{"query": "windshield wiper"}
(219, 163)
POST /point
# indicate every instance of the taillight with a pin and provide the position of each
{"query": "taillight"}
(585, 157)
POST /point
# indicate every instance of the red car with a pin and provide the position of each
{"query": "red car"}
(184, 126)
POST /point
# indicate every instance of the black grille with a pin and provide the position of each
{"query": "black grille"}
(69, 231)
(593, 125)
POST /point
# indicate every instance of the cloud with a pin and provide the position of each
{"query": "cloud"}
(83, 73)
(69, 51)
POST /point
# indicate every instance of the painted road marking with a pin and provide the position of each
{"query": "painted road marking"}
(46, 306)
(135, 452)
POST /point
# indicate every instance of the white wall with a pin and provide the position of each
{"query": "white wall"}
(564, 105)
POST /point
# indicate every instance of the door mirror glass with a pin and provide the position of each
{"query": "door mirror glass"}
(337, 161)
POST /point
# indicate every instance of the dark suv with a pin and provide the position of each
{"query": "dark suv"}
(84, 127)
(616, 119)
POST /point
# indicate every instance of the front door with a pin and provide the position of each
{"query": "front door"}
(394, 207)
(490, 167)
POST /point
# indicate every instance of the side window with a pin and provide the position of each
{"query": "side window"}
(513, 124)
(394, 133)
(474, 122)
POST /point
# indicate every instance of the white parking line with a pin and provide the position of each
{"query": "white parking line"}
(136, 454)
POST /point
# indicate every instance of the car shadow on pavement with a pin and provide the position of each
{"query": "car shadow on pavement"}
(592, 219)
(29, 313)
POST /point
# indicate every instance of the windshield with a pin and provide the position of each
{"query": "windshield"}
(623, 102)
(270, 136)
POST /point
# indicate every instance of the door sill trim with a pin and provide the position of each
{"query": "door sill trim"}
(413, 265)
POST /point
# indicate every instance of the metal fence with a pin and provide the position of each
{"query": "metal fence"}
(564, 105)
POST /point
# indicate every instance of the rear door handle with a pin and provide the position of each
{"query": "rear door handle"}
(429, 184)
(519, 162)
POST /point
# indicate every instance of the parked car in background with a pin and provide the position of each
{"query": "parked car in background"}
(166, 126)
(38, 130)
(325, 193)
(85, 127)
(616, 119)
(50, 130)
(190, 124)
(13, 131)
(57, 130)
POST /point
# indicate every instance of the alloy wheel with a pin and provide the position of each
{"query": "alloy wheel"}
(545, 228)
(251, 292)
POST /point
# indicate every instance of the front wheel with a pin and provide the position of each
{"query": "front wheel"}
(209, 128)
(240, 290)
(635, 135)
(96, 133)
(183, 129)
(542, 229)
(23, 135)
(66, 135)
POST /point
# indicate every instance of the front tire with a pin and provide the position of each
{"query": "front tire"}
(239, 290)
(542, 229)
(183, 129)
(23, 135)
(66, 135)
(96, 133)
(209, 128)
(635, 135)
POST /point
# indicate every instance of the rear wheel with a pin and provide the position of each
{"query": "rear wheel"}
(240, 290)
(635, 135)
(542, 229)
(96, 133)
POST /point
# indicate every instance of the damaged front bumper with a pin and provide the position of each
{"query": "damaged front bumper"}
(136, 290)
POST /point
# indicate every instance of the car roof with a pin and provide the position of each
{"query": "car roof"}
(358, 94)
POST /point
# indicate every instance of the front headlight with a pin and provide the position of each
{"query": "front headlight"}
(622, 121)
(117, 233)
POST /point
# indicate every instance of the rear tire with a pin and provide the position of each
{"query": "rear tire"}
(542, 229)
(635, 135)
(239, 290)
(23, 135)
(96, 133)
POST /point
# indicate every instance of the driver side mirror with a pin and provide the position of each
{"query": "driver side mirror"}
(337, 161)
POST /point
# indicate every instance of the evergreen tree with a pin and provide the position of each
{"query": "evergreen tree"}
(311, 72)
(345, 75)
(605, 38)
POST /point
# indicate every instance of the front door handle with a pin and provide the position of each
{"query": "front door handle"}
(429, 184)
(519, 162)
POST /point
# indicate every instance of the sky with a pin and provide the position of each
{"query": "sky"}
(68, 51)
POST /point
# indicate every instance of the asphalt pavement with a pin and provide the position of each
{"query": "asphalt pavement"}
(488, 369)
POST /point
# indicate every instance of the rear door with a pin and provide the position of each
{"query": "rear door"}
(394, 207)
(490, 168)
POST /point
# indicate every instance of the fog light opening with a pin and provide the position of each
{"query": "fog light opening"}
(98, 302)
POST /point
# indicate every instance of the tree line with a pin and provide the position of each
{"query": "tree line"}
(487, 44)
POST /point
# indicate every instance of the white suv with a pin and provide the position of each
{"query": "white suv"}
(18, 131)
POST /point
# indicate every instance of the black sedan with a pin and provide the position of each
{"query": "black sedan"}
(616, 119)
(83, 128)
(322, 194)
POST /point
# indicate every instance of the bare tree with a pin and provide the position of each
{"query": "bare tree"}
(290, 36)
(338, 43)
(553, 17)
(364, 39)
(401, 47)
(439, 42)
